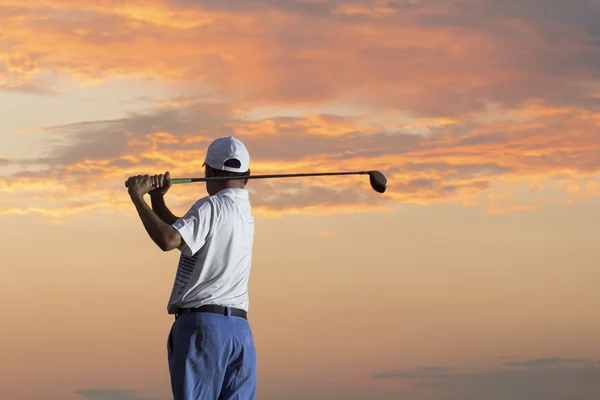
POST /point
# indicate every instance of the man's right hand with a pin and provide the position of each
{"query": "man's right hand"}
(162, 183)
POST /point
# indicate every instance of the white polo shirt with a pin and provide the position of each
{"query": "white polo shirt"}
(214, 267)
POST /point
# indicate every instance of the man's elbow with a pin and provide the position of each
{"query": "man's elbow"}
(170, 241)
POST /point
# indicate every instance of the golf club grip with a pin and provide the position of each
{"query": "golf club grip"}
(174, 181)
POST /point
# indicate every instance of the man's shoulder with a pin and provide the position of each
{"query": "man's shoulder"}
(205, 203)
(212, 203)
(223, 202)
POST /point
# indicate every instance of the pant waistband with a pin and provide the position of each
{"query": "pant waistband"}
(213, 309)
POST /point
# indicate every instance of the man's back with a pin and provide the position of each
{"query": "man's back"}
(215, 262)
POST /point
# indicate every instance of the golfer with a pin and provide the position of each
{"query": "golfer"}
(210, 346)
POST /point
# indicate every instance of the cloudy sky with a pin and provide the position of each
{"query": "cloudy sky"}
(475, 276)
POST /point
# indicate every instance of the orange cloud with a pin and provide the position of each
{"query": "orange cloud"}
(464, 168)
(457, 168)
(452, 106)
(429, 59)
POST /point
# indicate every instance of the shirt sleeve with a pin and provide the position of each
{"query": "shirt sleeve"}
(194, 227)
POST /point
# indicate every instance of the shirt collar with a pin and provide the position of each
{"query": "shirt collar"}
(234, 192)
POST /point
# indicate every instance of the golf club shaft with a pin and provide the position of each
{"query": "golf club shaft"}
(223, 178)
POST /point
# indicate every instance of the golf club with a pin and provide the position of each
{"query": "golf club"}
(377, 179)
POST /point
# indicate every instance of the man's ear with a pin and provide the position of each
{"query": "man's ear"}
(246, 180)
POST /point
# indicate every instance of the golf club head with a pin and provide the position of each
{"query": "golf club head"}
(378, 181)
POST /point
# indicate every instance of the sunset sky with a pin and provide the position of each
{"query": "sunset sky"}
(474, 277)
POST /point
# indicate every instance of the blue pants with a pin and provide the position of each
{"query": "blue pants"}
(212, 357)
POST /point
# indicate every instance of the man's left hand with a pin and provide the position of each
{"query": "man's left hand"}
(139, 185)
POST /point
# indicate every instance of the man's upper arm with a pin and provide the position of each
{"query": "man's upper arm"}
(194, 227)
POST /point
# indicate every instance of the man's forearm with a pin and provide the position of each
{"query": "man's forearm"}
(161, 209)
(162, 233)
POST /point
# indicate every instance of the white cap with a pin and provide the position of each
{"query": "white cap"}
(223, 150)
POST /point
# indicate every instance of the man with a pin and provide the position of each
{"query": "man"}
(211, 346)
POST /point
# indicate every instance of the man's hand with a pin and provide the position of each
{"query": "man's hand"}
(162, 183)
(139, 185)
